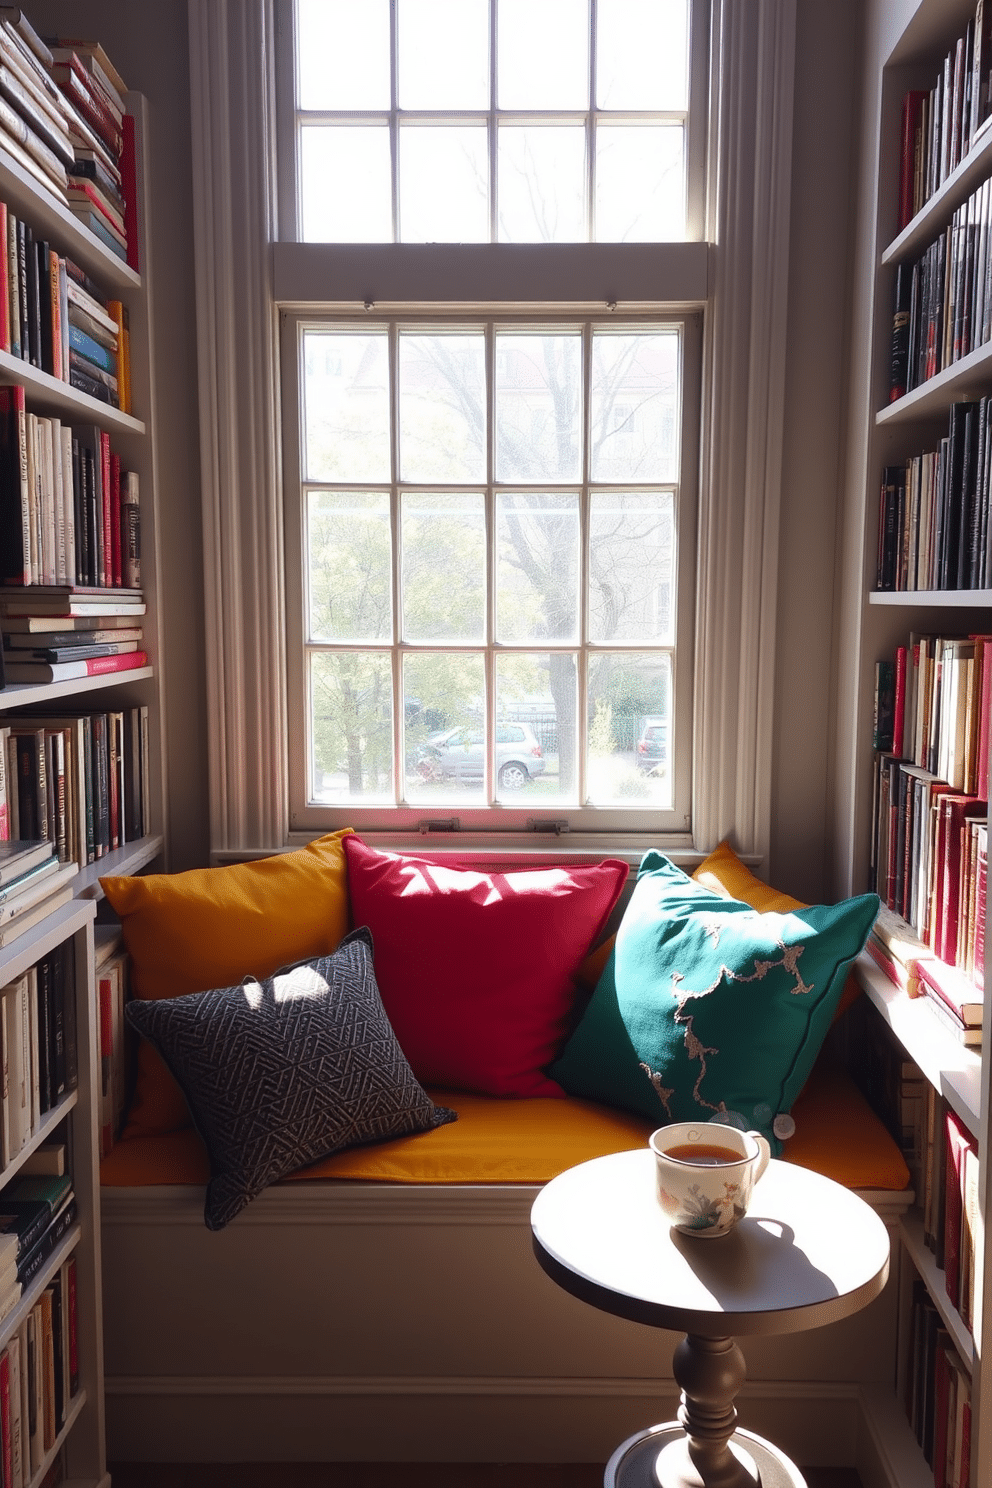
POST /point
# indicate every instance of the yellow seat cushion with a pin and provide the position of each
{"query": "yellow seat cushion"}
(211, 927)
(532, 1140)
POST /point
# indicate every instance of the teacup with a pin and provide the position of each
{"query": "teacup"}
(706, 1174)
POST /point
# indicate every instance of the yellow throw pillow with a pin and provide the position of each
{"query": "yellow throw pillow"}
(724, 873)
(210, 927)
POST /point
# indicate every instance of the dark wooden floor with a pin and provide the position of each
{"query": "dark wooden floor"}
(393, 1474)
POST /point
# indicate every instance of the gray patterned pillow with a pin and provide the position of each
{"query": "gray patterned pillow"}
(280, 1072)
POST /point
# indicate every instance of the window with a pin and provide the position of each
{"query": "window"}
(492, 512)
(477, 121)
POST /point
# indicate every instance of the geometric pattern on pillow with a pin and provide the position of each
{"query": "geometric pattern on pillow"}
(280, 1072)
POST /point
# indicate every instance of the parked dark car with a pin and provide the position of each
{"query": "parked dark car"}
(652, 746)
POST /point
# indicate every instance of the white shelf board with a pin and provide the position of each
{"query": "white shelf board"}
(950, 1067)
(33, 694)
(969, 375)
(121, 862)
(51, 395)
(945, 599)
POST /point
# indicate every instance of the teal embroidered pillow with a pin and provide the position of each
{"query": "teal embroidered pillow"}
(708, 1010)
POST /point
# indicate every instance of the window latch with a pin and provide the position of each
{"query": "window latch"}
(547, 824)
(438, 824)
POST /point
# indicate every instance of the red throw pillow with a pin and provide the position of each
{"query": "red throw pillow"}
(475, 968)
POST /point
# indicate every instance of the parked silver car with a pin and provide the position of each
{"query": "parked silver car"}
(652, 746)
(460, 753)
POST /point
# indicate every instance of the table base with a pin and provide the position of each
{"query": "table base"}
(657, 1458)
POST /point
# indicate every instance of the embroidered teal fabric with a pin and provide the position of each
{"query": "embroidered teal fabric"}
(708, 1010)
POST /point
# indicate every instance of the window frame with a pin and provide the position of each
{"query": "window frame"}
(243, 273)
(481, 821)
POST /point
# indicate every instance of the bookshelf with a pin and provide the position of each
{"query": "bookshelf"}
(83, 1435)
(906, 44)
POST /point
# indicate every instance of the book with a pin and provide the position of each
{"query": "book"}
(19, 857)
(100, 228)
(102, 610)
(959, 995)
(39, 892)
(47, 1160)
(34, 1259)
(27, 921)
(47, 1369)
(95, 666)
(92, 54)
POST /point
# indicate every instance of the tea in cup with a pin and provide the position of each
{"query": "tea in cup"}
(706, 1174)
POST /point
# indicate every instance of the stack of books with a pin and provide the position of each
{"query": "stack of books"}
(61, 633)
(93, 91)
(953, 997)
(35, 124)
(33, 883)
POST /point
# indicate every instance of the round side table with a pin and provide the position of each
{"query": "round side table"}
(809, 1252)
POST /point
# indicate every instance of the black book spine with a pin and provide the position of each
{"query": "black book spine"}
(964, 496)
(979, 507)
(69, 1020)
(22, 288)
(27, 785)
(913, 344)
(55, 1287)
(888, 518)
(42, 1248)
(44, 980)
(34, 297)
(46, 345)
(900, 332)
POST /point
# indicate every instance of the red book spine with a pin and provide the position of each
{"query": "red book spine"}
(899, 707)
(96, 200)
(97, 665)
(129, 190)
(941, 1403)
(981, 885)
(56, 303)
(106, 1055)
(912, 106)
(4, 283)
(965, 1479)
(984, 643)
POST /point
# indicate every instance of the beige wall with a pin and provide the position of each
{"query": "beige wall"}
(148, 45)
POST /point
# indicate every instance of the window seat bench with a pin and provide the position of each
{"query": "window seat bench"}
(385, 1304)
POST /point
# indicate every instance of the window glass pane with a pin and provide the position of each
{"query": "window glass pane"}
(442, 407)
(629, 711)
(349, 566)
(443, 54)
(537, 584)
(635, 402)
(535, 727)
(444, 567)
(631, 566)
(351, 709)
(542, 54)
(444, 708)
(444, 184)
(541, 184)
(346, 406)
(642, 54)
(343, 54)
(538, 407)
(345, 193)
(640, 183)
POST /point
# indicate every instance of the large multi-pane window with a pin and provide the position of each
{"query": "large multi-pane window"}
(491, 510)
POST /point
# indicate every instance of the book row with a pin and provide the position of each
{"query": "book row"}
(61, 109)
(931, 707)
(38, 1050)
(69, 512)
(940, 124)
(953, 994)
(942, 304)
(39, 1375)
(934, 530)
(54, 316)
(928, 859)
(80, 781)
(937, 1394)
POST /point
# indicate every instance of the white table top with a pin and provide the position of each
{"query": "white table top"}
(808, 1252)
